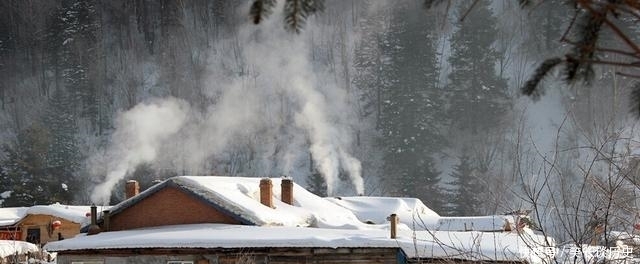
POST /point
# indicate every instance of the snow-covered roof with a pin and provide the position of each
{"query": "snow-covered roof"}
(11, 215)
(74, 213)
(377, 209)
(414, 214)
(498, 246)
(240, 196)
(10, 247)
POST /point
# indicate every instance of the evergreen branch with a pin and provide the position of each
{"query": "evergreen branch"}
(530, 88)
(261, 9)
(428, 4)
(525, 3)
(293, 16)
(602, 16)
(312, 6)
(578, 65)
(635, 99)
(297, 11)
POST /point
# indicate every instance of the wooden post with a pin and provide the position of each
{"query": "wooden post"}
(393, 218)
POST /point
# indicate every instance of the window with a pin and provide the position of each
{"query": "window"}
(179, 262)
(33, 235)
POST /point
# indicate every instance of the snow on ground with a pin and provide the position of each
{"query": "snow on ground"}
(77, 214)
(10, 247)
(424, 244)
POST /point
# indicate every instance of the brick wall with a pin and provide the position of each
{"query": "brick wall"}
(169, 206)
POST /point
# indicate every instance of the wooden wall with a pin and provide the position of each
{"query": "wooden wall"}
(233, 256)
(43, 223)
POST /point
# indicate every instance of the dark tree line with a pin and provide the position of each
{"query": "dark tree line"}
(67, 67)
(430, 94)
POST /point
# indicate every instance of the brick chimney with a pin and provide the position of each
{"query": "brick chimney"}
(132, 188)
(266, 192)
(286, 191)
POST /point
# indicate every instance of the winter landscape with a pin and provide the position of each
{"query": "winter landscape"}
(311, 131)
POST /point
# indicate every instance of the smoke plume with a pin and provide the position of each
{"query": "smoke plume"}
(270, 99)
(139, 134)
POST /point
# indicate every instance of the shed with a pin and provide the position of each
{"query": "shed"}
(40, 224)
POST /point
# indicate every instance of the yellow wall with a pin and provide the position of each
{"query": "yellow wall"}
(43, 222)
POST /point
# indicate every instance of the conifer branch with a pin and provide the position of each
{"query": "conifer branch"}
(602, 14)
(428, 4)
(578, 61)
(261, 9)
(530, 88)
(297, 11)
(293, 17)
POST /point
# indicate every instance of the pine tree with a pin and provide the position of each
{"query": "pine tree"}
(316, 184)
(15, 179)
(464, 199)
(478, 96)
(26, 173)
(411, 110)
(63, 156)
(547, 24)
(73, 42)
(369, 65)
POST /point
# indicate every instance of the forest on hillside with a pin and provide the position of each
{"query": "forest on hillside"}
(370, 98)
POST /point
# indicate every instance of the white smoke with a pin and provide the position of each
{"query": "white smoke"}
(140, 132)
(269, 97)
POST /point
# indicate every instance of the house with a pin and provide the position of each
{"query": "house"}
(207, 219)
(40, 224)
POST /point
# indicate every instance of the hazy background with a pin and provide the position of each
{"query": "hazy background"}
(373, 97)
